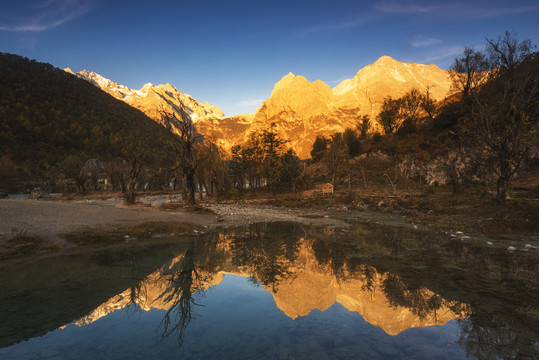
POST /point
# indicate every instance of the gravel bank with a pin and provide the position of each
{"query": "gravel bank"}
(247, 213)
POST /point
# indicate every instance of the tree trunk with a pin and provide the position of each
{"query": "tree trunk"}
(363, 174)
(454, 178)
(130, 194)
(501, 188)
(191, 188)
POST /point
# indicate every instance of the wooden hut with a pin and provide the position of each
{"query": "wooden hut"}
(327, 188)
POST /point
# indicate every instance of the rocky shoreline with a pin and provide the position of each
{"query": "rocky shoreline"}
(230, 214)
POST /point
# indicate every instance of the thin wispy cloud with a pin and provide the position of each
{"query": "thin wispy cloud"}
(435, 10)
(451, 10)
(335, 26)
(441, 56)
(423, 41)
(485, 13)
(407, 7)
(42, 15)
(341, 79)
(41, 4)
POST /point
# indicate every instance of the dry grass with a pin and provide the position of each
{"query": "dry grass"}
(297, 201)
(181, 205)
(472, 210)
(127, 233)
(21, 243)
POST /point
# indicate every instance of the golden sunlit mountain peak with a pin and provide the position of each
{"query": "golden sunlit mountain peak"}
(154, 99)
(301, 110)
(385, 59)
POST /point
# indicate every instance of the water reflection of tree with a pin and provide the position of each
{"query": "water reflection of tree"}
(267, 254)
(498, 336)
(368, 275)
(469, 278)
(195, 269)
(179, 315)
(382, 248)
(419, 300)
(332, 250)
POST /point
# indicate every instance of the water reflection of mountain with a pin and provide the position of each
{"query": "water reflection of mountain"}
(395, 277)
(289, 268)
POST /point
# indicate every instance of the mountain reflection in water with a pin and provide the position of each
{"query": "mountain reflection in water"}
(396, 279)
(291, 272)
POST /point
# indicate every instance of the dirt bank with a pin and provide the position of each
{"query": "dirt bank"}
(50, 219)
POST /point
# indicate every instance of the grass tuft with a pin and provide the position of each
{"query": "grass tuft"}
(531, 311)
(125, 233)
(21, 243)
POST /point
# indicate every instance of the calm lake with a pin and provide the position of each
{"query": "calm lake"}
(275, 291)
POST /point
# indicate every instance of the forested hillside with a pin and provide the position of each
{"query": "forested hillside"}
(48, 115)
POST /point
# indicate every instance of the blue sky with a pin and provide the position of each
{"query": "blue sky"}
(231, 53)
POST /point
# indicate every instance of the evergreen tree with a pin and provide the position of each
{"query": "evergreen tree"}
(319, 149)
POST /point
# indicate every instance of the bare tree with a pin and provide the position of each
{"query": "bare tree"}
(136, 156)
(72, 168)
(505, 114)
(428, 104)
(411, 105)
(398, 113)
(185, 148)
(508, 52)
(211, 172)
(237, 167)
(469, 71)
(115, 171)
(454, 163)
(181, 294)
(392, 179)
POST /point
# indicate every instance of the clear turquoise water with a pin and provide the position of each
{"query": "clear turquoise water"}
(239, 319)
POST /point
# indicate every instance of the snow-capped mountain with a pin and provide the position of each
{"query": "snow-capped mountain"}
(153, 100)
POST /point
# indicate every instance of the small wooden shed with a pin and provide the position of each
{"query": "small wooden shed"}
(327, 188)
(323, 189)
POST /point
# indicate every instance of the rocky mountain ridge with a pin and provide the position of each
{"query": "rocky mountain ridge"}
(154, 99)
(301, 110)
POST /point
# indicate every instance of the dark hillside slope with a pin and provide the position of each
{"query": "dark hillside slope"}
(47, 115)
